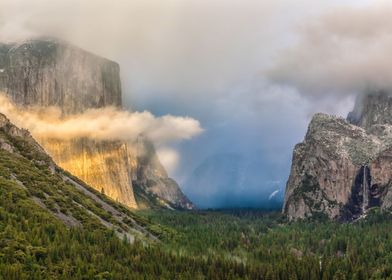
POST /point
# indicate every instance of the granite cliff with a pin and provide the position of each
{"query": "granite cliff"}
(343, 166)
(50, 72)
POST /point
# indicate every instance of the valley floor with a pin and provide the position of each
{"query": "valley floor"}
(240, 244)
(260, 245)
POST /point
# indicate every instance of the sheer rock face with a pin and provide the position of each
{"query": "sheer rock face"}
(53, 73)
(343, 167)
(105, 165)
(49, 72)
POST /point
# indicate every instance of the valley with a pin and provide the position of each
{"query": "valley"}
(54, 226)
(195, 140)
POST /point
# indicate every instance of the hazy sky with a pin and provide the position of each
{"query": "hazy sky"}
(252, 72)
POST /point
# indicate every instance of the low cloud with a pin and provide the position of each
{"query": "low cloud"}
(100, 124)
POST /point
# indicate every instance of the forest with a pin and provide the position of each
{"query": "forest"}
(240, 244)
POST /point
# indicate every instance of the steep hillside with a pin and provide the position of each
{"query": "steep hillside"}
(28, 175)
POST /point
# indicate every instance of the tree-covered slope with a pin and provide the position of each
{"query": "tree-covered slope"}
(51, 223)
(53, 226)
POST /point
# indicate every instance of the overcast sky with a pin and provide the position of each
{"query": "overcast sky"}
(252, 72)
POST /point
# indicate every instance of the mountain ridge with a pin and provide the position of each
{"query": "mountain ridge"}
(342, 168)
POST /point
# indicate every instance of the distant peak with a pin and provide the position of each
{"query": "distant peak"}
(373, 108)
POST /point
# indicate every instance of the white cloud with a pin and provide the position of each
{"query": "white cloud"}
(102, 124)
(169, 158)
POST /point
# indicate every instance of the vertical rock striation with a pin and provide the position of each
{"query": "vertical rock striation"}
(105, 165)
(49, 72)
(54, 73)
(343, 167)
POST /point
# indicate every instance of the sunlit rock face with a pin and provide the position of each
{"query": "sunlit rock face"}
(107, 166)
(48, 72)
(343, 167)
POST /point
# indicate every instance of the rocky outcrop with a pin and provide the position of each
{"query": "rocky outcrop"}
(49, 72)
(343, 167)
(152, 178)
